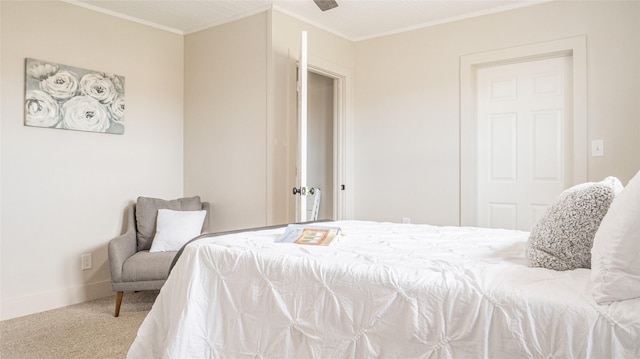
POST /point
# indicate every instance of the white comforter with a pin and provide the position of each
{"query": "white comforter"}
(382, 290)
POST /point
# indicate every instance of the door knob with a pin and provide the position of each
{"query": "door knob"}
(302, 191)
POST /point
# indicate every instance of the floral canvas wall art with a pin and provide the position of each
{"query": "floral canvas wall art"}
(72, 98)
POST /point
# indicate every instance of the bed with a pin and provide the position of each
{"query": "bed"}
(381, 290)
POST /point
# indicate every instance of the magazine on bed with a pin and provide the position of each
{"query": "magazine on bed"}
(309, 234)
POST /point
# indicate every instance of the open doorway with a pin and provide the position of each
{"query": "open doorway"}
(320, 142)
(324, 149)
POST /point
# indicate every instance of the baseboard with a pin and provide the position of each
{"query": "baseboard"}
(40, 302)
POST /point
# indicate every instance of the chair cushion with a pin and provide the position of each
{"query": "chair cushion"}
(147, 212)
(145, 266)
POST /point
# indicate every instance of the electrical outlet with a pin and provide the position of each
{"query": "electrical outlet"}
(86, 261)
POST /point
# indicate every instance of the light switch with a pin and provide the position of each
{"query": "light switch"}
(597, 148)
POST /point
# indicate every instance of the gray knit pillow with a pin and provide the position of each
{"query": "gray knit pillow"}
(563, 237)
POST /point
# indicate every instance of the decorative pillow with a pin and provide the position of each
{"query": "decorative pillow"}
(175, 228)
(147, 212)
(562, 238)
(615, 256)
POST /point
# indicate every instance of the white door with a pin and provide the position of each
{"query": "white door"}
(301, 161)
(524, 140)
(320, 132)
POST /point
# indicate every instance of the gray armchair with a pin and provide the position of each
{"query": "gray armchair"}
(133, 267)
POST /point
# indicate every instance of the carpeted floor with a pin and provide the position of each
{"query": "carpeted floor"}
(85, 330)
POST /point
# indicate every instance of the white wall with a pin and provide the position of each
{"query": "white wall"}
(64, 192)
(225, 121)
(408, 109)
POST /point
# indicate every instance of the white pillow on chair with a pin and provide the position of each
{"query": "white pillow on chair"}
(175, 228)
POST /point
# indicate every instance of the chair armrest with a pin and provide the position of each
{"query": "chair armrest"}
(123, 246)
(207, 207)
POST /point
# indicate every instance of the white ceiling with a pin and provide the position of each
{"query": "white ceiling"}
(352, 19)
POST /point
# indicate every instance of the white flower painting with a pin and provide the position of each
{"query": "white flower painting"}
(71, 98)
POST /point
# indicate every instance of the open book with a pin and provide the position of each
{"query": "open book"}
(309, 234)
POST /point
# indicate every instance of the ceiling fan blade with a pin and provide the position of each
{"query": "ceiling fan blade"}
(325, 5)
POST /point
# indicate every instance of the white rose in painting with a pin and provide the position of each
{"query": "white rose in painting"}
(116, 108)
(85, 113)
(41, 70)
(118, 82)
(41, 109)
(98, 87)
(61, 86)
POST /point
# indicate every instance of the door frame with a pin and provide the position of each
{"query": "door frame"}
(575, 47)
(339, 133)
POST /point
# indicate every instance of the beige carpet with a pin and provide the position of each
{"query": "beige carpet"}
(85, 330)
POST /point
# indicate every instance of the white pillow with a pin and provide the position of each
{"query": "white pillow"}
(175, 228)
(615, 256)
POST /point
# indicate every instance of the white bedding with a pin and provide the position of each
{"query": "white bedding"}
(382, 290)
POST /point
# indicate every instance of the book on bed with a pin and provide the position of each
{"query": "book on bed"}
(309, 234)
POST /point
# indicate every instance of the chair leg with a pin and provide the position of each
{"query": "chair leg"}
(118, 302)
